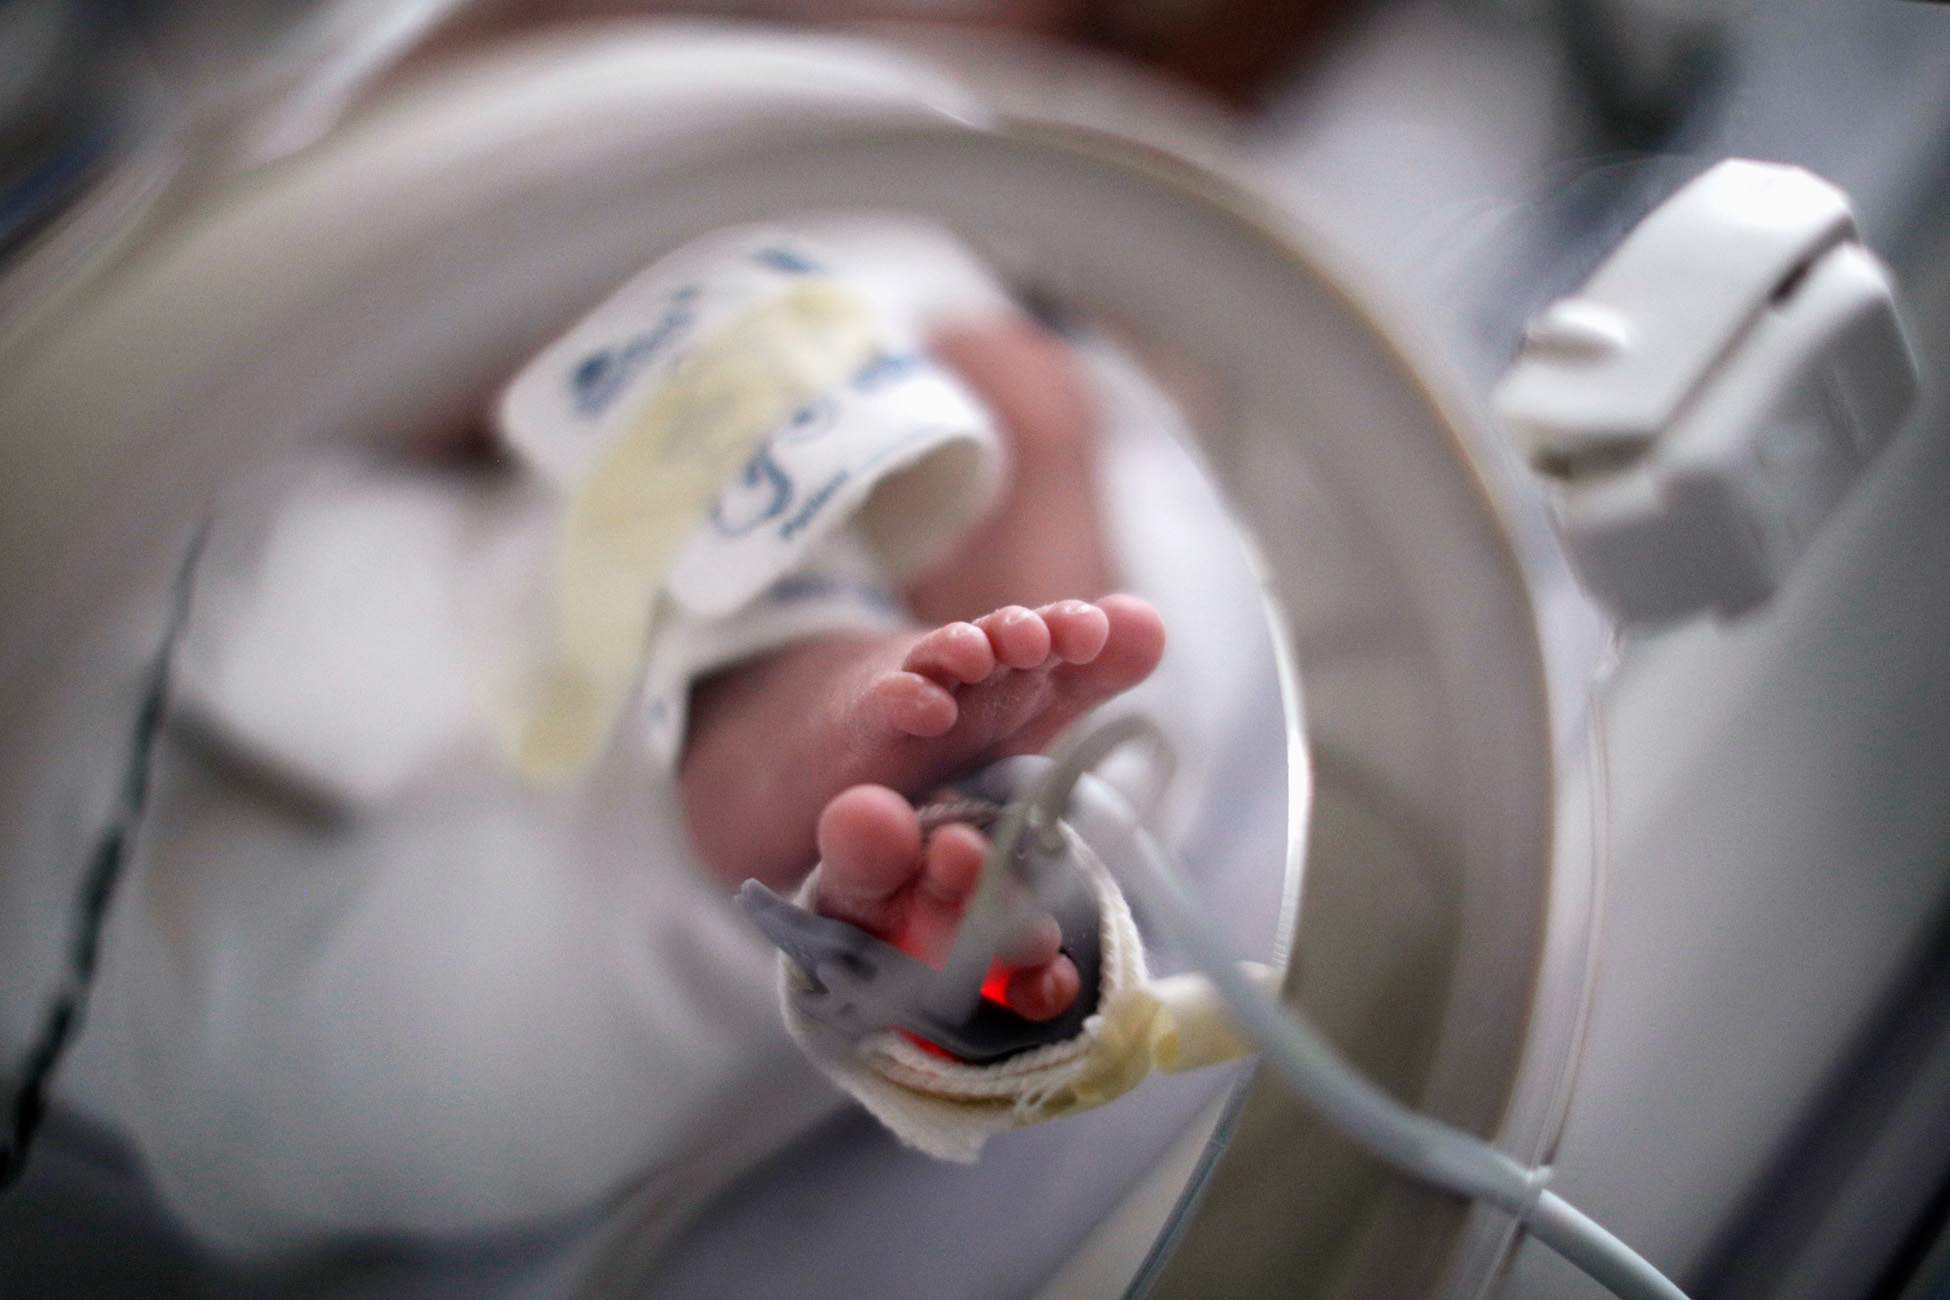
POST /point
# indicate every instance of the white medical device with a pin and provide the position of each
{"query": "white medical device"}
(1711, 394)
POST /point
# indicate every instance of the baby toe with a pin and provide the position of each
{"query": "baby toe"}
(953, 862)
(959, 652)
(911, 704)
(869, 844)
(1018, 636)
(1044, 992)
(1077, 629)
(948, 869)
(1135, 644)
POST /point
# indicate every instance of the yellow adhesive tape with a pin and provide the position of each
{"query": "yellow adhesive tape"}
(624, 528)
(1173, 1024)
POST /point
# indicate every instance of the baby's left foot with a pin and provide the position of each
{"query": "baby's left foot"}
(879, 871)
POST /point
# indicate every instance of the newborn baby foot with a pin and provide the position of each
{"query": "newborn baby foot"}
(774, 740)
(968, 686)
(880, 871)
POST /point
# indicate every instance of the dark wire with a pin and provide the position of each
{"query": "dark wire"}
(105, 868)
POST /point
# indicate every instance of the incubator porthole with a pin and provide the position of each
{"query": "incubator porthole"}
(1236, 380)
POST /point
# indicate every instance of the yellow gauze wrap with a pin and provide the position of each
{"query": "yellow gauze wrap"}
(1172, 1024)
(624, 528)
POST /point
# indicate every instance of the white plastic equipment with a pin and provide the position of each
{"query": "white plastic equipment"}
(1710, 395)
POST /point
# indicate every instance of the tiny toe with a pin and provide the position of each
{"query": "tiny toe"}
(950, 865)
(912, 704)
(1135, 643)
(953, 862)
(1044, 992)
(869, 848)
(959, 652)
(1077, 630)
(1018, 636)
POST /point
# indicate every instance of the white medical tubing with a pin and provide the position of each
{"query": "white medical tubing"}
(1415, 1144)
(1573, 1234)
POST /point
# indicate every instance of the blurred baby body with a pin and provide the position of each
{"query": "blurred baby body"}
(419, 942)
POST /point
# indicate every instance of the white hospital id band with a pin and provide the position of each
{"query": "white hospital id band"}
(710, 426)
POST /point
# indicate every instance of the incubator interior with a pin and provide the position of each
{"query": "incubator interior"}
(357, 1025)
(405, 326)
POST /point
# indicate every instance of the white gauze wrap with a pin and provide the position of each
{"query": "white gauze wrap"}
(948, 1109)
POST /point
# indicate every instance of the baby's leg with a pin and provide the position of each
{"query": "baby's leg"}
(881, 873)
(774, 740)
(1045, 540)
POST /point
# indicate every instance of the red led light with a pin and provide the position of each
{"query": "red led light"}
(995, 988)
